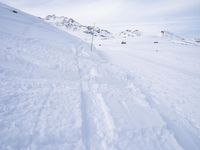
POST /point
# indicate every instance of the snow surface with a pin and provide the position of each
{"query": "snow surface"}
(58, 95)
(168, 75)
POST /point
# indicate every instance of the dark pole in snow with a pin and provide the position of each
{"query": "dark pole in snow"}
(92, 37)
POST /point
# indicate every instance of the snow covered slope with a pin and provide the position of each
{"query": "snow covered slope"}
(177, 39)
(168, 74)
(58, 95)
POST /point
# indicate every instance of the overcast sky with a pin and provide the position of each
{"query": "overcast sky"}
(112, 11)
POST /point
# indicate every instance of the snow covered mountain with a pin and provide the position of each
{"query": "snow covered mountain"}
(170, 35)
(68, 24)
(177, 39)
(73, 27)
(57, 94)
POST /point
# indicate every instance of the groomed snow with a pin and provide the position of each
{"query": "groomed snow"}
(58, 95)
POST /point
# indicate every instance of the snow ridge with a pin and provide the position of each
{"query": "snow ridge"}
(177, 39)
(68, 24)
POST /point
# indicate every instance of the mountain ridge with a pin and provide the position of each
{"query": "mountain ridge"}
(70, 24)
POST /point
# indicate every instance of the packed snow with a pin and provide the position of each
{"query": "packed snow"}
(57, 94)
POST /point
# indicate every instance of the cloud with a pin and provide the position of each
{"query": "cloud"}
(88, 11)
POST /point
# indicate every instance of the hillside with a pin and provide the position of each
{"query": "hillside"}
(57, 94)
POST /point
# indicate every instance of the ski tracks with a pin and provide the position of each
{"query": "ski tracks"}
(110, 105)
(97, 122)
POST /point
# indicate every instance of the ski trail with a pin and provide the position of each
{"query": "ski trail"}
(85, 127)
(83, 101)
(97, 123)
(182, 131)
(103, 119)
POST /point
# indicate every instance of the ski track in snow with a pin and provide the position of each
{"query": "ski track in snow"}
(95, 114)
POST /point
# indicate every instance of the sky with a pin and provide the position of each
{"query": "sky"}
(103, 12)
(106, 11)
